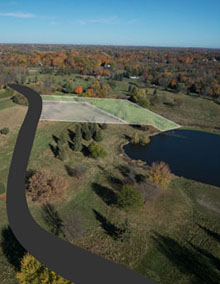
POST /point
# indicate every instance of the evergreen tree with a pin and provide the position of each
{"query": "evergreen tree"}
(77, 145)
(86, 133)
(78, 132)
(77, 140)
(129, 198)
(93, 128)
(125, 231)
(103, 126)
(63, 138)
(98, 135)
(62, 154)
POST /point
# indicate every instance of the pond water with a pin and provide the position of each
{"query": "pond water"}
(192, 154)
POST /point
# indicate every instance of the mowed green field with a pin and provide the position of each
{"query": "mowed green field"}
(125, 110)
(4, 104)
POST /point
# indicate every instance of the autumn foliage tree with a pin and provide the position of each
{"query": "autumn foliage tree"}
(160, 174)
(32, 271)
(78, 90)
(45, 186)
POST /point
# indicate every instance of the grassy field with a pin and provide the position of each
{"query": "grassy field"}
(125, 110)
(174, 239)
(166, 236)
(194, 112)
(4, 104)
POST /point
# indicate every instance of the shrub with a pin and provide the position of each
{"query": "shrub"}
(68, 87)
(135, 139)
(140, 139)
(89, 93)
(46, 186)
(32, 271)
(129, 198)
(180, 87)
(160, 174)
(144, 140)
(96, 151)
(4, 131)
(77, 172)
(144, 102)
(20, 99)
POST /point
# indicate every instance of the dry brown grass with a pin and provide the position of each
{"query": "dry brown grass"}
(12, 117)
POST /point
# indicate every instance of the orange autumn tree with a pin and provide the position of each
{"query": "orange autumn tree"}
(78, 90)
(89, 93)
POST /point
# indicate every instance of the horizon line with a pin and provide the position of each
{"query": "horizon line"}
(111, 45)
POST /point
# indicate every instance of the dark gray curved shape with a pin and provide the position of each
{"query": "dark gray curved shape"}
(71, 262)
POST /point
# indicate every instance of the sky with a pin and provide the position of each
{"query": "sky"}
(180, 23)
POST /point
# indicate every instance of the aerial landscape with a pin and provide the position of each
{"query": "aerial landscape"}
(125, 161)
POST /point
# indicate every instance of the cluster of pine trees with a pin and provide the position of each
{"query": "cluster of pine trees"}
(74, 140)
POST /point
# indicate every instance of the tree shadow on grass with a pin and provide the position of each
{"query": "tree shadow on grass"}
(85, 151)
(214, 235)
(54, 150)
(214, 260)
(13, 251)
(71, 134)
(106, 194)
(190, 262)
(52, 219)
(55, 138)
(124, 170)
(109, 228)
(29, 174)
(115, 182)
(127, 137)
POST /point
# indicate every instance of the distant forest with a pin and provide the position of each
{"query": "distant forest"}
(188, 70)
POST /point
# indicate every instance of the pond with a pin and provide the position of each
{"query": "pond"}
(192, 154)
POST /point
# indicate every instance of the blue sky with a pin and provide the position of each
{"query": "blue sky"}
(188, 23)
